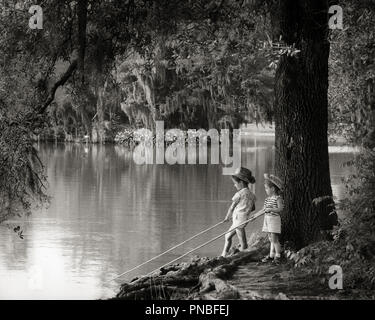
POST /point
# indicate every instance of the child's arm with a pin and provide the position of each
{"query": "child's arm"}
(230, 211)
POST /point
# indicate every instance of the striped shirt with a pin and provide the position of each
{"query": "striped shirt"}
(271, 202)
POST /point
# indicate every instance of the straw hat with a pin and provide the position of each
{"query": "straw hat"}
(274, 179)
(244, 174)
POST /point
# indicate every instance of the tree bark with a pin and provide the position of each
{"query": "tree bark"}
(301, 118)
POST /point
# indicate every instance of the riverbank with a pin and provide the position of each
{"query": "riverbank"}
(241, 276)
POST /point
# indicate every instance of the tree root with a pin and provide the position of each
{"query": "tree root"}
(190, 280)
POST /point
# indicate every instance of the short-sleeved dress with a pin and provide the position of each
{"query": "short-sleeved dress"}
(272, 221)
(244, 203)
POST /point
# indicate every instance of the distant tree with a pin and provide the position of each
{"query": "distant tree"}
(202, 73)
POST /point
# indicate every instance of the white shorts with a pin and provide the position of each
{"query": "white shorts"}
(238, 219)
(272, 223)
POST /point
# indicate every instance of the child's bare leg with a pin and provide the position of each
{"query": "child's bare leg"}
(228, 243)
(272, 247)
(272, 250)
(276, 244)
(241, 234)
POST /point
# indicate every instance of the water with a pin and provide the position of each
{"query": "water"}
(108, 214)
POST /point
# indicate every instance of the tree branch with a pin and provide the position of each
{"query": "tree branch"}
(64, 78)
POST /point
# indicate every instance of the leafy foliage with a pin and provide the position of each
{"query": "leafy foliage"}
(210, 70)
(352, 75)
(22, 183)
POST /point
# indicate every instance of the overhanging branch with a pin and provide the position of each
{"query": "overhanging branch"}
(64, 78)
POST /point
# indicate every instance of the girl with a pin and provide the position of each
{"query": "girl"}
(243, 203)
(273, 206)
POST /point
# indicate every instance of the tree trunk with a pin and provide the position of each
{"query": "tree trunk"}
(82, 25)
(301, 117)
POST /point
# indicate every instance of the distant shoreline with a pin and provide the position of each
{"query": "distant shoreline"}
(246, 130)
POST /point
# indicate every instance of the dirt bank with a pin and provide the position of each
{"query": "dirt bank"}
(240, 276)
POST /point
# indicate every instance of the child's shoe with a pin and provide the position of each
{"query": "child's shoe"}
(267, 259)
(276, 260)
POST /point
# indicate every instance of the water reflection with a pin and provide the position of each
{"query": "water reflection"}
(109, 214)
